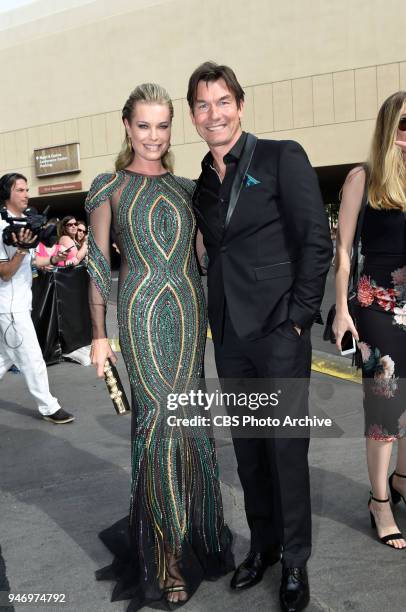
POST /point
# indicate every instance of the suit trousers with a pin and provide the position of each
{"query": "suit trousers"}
(273, 469)
(19, 346)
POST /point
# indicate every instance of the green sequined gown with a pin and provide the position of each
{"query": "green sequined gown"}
(175, 507)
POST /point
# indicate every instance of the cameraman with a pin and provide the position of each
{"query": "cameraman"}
(18, 340)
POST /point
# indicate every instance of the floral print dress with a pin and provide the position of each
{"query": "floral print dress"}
(381, 323)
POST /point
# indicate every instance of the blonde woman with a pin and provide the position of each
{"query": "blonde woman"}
(177, 534)
(380, 328)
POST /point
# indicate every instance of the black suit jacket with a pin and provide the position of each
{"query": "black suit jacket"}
(271, 261)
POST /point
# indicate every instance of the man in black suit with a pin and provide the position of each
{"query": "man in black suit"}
(260, 212)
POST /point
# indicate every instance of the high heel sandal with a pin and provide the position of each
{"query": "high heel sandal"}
(175, 588)
(392, 536)
(178, 588)
(396, 496)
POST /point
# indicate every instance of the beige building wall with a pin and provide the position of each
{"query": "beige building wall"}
(314, 72)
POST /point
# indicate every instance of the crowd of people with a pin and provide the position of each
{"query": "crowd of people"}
(68, 248)
(255, 220)
(19, 344)
(71, 237)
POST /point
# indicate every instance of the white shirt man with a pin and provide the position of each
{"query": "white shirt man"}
(18, 340)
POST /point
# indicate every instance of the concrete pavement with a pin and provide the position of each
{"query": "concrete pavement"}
(60, 485)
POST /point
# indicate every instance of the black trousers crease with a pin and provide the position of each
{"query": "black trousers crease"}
(273, 469)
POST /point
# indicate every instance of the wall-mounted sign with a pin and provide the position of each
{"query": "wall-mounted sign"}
(60, 159)
(60, 187)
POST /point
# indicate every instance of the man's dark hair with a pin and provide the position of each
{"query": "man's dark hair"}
(7, 182)
(209, 72)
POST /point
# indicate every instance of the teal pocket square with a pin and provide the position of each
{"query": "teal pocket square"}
(249, 181)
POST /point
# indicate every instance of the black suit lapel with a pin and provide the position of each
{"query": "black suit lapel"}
(242, 167)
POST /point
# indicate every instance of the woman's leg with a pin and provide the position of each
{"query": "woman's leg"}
(400, 483)
(378, 458)
(174, 587)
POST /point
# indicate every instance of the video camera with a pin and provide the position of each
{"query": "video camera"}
(33, 221)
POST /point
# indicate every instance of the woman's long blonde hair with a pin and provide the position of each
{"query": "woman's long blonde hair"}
(152, 94)
(387, 168)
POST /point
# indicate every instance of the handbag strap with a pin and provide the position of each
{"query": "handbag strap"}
(354, 273)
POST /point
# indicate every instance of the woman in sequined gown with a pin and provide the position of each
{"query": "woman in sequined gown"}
(175, 535)
(380, 326)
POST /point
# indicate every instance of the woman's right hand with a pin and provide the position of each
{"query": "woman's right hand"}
(99, 352)
(343, 322)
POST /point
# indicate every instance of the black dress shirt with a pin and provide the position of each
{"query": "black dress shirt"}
(216, 193)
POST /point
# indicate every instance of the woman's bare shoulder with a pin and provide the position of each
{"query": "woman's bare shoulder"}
(356, 175)
(66, 241)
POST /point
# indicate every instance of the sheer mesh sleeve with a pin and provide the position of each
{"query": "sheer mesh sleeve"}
(200, 250)
(99, 213)
(201, 253)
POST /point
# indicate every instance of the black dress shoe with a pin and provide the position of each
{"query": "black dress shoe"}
(252, 569)
(294, 594)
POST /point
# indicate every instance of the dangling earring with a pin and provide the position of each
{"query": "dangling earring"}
(129, 144)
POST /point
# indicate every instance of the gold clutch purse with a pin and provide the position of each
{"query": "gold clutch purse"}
(115, 388)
